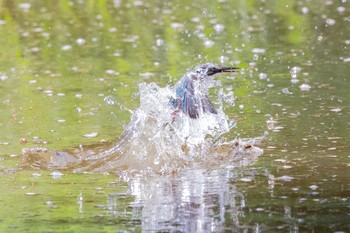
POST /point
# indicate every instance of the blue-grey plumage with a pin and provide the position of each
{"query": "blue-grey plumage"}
(191, 91)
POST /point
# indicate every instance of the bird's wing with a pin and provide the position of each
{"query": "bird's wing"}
(189, 105)
(208, 106)
(186, 100)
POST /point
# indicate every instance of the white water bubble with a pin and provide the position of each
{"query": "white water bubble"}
(219, 28)
(258, 50)
(112, 72)
(56, 174)
(159, 42)
(209, 43)
(224, 59)
(91, 135)
(341, 9)
(246, 179)
(285, 91)
(285, 178)
(109, 100)
(347, 59)
(262, 76)
(296, 69)
(31, 194)
(25, 6)
(305, 10)
(176, 25)
(113, 29)
(330, 21)
(196, 19)
(80, 41)
(336, 110)
(3, 77)
(313, 187)
(66, 47)
(305, 87)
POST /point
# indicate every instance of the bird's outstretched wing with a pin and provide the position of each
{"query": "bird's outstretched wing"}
(208, 106)
(186, 100)
(190, 104)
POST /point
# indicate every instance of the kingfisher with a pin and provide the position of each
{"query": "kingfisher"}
(191, 92)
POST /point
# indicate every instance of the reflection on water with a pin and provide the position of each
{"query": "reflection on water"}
(225, 200)
(195, 201)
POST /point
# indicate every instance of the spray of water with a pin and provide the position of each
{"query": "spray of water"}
(158, 141)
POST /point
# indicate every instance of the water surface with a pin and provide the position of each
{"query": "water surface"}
(70, 71)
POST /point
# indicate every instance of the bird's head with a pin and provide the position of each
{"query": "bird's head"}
(204, 70)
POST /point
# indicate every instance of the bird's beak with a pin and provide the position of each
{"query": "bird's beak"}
(215, 70)
(228, 69)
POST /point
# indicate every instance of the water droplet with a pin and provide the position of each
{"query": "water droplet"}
(66, 47)
(80, 41)
(159, 42)
(91, 135)
(313, 187)
(156, 161)
(285, 178)
(285, 91)
(31, 194)
(109, 100)
(56, 174)
(112, 72)
(330, 22)
(258, 50)
(49, 203)
(246, 179)
(36, 174)
(113, 29)
(209, 43)
(305, 87)
(24, 5)
(341, 9)
(336, 110)
(3, 77)
(294, 80)
(219, 28)
(347, 59)
(262, 76)
(305, 10)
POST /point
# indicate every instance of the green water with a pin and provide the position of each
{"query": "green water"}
(61, 60)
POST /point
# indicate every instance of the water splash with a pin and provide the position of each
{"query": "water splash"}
(156, 142)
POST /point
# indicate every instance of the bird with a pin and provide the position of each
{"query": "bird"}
(191, 92)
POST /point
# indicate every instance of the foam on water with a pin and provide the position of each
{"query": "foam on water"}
(158, 141)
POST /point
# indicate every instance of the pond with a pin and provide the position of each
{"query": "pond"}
(69, 77)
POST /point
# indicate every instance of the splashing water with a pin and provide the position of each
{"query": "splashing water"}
(157, 141)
